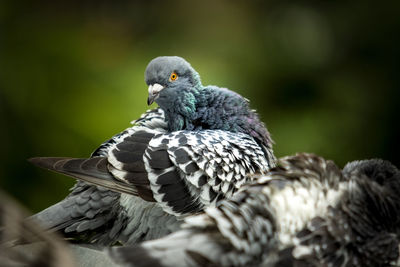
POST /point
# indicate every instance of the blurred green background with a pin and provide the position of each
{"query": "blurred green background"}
(324, 76)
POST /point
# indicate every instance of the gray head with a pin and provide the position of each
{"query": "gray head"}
(169, 72)
(380, 171)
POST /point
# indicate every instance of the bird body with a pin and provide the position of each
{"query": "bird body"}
(305, 212)
(191, 152)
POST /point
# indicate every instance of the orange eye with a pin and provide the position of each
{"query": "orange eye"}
(173, 76)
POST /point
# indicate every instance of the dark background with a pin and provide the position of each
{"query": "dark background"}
(323, 76)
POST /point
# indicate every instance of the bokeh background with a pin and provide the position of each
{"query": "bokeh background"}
(324, 76)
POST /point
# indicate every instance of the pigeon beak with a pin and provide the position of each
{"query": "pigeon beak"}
(154, 90)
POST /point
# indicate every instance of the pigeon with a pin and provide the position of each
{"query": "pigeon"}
(304, 212)
(194, 150)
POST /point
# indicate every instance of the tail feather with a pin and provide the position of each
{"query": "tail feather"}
(92, 170)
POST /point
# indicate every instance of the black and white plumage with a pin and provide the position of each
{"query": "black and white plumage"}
(363, 228)
(192, 151)
(306, 212)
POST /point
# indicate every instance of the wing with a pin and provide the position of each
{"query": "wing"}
(236, 233)
(151, 119)
(92, 213)
(183, 171)
(201, 167)
(246, 229)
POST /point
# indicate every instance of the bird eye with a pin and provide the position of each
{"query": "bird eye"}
(173, 77)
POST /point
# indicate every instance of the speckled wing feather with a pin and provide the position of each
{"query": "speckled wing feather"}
(362, 229)
(248, 227)
(235, 233)
(183, 171)
(200, 167)
(306, 212)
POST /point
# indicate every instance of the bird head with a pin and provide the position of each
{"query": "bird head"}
(379, 189)
(168, 77)
(380, 171)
